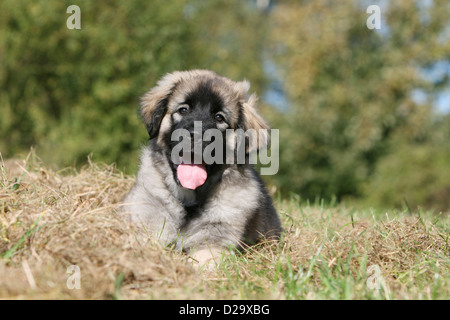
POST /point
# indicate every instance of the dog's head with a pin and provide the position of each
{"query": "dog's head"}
(197, 101)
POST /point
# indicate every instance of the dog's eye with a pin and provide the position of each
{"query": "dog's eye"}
(183, 110)
(219, 117)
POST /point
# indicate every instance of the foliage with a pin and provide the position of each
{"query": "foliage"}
(76, 92)
(350, 89)
(415, 173)
(353, 127)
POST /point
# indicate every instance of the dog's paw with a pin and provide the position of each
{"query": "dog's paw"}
(207, 258)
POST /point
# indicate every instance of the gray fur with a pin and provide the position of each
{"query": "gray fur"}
(237, 209)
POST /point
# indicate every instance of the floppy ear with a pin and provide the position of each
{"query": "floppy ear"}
(255, 125)
(154, 103)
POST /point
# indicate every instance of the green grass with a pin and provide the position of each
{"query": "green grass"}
(326, 255)
(50, 220)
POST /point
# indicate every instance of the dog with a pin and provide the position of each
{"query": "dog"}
(201, 208)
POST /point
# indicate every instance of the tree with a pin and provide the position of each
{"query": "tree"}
(74, 92)
(350, 87)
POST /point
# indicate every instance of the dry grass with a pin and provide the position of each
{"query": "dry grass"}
(51, 220)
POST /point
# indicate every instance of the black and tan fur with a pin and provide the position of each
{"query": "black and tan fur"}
(232, 208)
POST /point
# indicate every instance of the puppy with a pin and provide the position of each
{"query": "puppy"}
(202, 204)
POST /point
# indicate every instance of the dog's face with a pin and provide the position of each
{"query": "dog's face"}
(196, 101)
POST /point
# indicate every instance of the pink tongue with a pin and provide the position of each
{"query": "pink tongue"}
(191, 176)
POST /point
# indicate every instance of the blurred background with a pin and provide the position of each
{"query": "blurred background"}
(364, 115)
